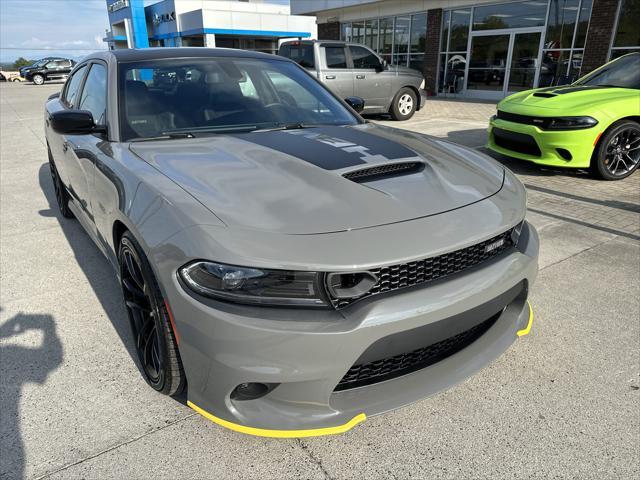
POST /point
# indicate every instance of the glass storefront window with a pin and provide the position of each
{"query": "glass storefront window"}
(453, 80)
(371, 29)
(628, 29)
(510, 15)
(345, 32)
(562, 23)
(554, 68)
(444, 35)
(357, 32)
(401, 36)
(416, 62)
(583, 23)
(459, 30)
(386, 38)
(418, 33)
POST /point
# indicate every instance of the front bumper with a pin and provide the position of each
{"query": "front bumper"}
(422, 99)
(551, 144)
(307, 352)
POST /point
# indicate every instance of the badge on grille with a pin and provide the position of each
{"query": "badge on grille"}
(493, 245)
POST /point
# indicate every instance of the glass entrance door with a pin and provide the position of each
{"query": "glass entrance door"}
(488, 64)
(524, 61)
(503, 63)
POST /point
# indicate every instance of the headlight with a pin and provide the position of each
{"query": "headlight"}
(422, 84)
(565, 123)
(256, 286)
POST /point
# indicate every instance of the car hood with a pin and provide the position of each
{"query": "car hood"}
(292, 181)
(572, 97)
(405, 71)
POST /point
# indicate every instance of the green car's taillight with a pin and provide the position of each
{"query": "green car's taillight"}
(256, 286)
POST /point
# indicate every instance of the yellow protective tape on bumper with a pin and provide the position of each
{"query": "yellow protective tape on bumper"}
(261, 432)
(527, 329)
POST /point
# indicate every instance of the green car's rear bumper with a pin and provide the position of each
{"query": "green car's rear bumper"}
(568, 148)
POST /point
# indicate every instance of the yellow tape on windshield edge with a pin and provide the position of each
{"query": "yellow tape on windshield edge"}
(527, 329)
(262, 432)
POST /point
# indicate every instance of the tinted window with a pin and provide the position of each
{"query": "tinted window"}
(623, 72)
(363, 58)
(336, 57)
(208, 96)
(301, 54)
(94, 93)
(628, 33)
(73, 85)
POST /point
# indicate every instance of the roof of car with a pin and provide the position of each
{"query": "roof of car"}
(160, 53)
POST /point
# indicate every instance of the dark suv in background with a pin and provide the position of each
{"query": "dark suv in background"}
(47, 69)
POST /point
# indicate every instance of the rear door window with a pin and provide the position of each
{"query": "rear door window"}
(336, 57)
(301, 54)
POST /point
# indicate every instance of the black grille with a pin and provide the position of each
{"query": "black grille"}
(404, 275)
(398, 365)
(516, 118)
(388, 170)
(516, 142)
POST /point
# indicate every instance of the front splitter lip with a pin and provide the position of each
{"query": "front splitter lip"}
(315, 432)
(263, 432)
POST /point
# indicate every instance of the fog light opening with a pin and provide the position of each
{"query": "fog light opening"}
(564, 153)
(252, 391)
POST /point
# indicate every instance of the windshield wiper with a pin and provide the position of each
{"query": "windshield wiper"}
(165, 136)
(288, 126)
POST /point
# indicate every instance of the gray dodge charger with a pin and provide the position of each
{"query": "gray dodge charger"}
(298, 268)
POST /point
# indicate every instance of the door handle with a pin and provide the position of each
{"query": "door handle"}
(359, 77)
(330, 77)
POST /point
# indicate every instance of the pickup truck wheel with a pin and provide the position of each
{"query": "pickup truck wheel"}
(404, 104)
(38, 79)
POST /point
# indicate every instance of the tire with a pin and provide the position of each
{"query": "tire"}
(404, 104)
(155, 343)
(618, 152)
(37, 79)
(62, 196)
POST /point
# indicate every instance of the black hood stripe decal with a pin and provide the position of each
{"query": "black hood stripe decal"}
(329, 147)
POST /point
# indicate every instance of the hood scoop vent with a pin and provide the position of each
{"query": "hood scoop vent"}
(544, 95)
(384, 171)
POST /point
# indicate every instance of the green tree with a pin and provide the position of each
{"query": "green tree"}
(21, 62)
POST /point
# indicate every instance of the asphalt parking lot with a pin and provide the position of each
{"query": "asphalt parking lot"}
(563, 402)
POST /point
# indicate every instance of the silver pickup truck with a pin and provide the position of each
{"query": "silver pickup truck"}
(351, 69)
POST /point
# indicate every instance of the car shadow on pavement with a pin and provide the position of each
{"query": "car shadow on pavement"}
(97, 270)
(20, 365)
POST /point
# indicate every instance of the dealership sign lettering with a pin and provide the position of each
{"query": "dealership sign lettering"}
(118, 5)
(158, 18)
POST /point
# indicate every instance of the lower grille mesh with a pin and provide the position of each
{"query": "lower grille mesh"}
(398, 365)
(404, 275)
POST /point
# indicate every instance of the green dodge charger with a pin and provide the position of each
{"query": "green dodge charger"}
(593, 123)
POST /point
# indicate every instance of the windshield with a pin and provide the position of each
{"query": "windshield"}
(221, 95)
(623, 72)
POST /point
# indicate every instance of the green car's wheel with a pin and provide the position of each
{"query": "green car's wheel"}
(149, 319)
(618, 153)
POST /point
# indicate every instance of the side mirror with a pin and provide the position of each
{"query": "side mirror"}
(357, 103)
(77, 122)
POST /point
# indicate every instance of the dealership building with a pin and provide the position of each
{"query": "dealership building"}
(250, 25)
(485, 49)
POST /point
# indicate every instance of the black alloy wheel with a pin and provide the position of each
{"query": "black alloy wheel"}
(62, 196)
(153, 335)
(618, 153)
